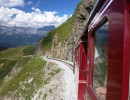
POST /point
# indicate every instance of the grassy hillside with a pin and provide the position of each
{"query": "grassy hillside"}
(13, 57)
(28, 50)
(30, 69)
(5, 67)
(63, 32)
(16, 68)
(17, 52)
(21, 75)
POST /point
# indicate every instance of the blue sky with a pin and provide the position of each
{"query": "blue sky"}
(36, 13)
(61, 6)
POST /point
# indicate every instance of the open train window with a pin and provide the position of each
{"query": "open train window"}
(100, 41)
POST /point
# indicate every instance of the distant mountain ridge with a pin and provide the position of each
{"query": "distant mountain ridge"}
(24, 30)
(47, 28)
(21, 36)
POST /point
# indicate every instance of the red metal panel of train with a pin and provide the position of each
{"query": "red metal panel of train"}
(107, 43)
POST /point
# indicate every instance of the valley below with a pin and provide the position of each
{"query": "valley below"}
(24, 76)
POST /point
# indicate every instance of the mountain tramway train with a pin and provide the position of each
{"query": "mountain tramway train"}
(102, 54)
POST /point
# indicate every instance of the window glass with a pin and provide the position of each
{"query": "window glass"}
(100, 61)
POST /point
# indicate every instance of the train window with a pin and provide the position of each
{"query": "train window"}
(100, 61)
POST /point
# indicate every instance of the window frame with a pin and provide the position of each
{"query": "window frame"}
(91, 55)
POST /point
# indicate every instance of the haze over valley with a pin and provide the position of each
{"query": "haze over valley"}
(21, 36)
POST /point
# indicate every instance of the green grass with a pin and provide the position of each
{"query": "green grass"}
(17, 52)
(29, 50)
(12, 53)
(23, 61)
(63, 32)
(8, 65)
(32, 69)
(5, 68)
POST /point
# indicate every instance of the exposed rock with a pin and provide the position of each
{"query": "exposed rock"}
(30, 80)
(15, 70)
(38, 51)
(53, 90)
(65, 49)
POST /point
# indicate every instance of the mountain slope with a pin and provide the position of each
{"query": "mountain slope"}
(63, 32)
(60, 42)
(18, 52)
(22, 74)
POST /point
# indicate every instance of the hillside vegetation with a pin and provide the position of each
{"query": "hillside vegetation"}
(63, 32)
(29, 69)
(13, 57)
(17, 52)
(16, 65)
(22, 74)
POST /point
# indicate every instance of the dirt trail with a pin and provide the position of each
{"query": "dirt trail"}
(64, 81)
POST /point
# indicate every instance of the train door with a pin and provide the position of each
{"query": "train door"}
(82, 69)
(83, 60)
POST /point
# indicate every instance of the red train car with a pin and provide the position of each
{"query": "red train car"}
(103, 53)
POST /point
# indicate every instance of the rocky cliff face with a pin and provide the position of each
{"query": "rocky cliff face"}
(65, 49)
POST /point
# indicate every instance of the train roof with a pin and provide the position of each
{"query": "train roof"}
(92, 14)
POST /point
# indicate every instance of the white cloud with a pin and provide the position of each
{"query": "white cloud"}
(37, 18)
(70, 15)
(11, 3)
(36, 10)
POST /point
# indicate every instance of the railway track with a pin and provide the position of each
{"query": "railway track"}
(69, 64)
